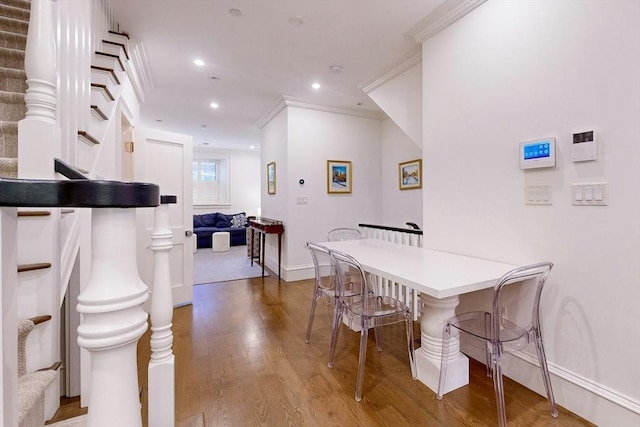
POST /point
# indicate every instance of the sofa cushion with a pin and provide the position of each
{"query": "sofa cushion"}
(225, 221)
(239, 220)
(205, 220)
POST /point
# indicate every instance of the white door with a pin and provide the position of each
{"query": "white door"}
(165, 159)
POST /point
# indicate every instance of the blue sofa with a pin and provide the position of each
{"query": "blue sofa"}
(206, 224)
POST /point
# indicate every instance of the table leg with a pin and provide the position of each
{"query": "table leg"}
(252, 247)
(263, 250)
(279, 252)
(435, 313)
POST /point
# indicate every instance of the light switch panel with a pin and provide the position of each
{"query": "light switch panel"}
(590, 194)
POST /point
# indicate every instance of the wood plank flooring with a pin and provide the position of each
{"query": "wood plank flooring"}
(241, 360)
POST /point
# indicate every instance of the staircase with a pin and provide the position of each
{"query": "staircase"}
(14, 22)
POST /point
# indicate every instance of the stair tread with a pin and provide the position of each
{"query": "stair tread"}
(31, 388)
(14, 12)
(14, 25)
(33, 266)
(80, 421)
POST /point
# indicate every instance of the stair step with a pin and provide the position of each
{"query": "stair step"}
(14, 12)
(54, 367)
(99, 113)
(33, 213)
(8, 167)
(21, 4)
(33, 267)
(12, 40)
(103, 88)
(107, 70)
(9, 139)
(12, 25)
(84, 136)
(117, 44)
(119, 33)
(112, 57)
(67, 211)
(12, 106)
(12, 80)
(31, 388)
(12, 58)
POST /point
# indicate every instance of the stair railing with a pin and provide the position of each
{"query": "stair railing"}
(161, 371)
(404, 236)
(112, 302)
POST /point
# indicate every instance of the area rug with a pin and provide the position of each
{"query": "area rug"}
(210, 267)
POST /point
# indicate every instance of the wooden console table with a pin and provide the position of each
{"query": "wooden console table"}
(266, 226)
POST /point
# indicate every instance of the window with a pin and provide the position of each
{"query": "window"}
(210, 181)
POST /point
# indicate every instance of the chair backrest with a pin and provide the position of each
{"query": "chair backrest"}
(350, 276)
(323, 266)
(338, 234)
(531, 275)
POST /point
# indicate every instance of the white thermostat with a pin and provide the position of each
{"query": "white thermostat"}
(584, 147)
(540, 153)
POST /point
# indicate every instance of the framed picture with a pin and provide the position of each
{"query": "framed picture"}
(410, 174)
(338, 176)
(271, 178)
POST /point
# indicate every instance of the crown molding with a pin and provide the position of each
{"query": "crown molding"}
(446, 14)
(372, 85)
(289, 101)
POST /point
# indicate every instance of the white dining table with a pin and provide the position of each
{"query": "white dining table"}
(440, 278)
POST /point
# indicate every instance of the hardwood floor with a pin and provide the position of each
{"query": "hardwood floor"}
(241, 360)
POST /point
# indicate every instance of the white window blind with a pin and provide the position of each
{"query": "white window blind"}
(211, 181)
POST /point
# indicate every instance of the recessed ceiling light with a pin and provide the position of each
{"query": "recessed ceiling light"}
(205, 143)
(214, 105)
(203, 127)
(335, 69)
(159, 120)
(251, 147)
(235, 12)
(316, 86)
(213, 77)
(359, 104)
(198, 62)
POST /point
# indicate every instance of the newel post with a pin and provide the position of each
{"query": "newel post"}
(40, 63)
(113, 319)
(161, 408)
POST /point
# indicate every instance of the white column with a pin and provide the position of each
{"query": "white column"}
(113, 319)
(40, 63)
(434, 315)
(161, 408)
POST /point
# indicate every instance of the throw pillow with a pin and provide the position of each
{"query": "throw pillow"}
(239, 220)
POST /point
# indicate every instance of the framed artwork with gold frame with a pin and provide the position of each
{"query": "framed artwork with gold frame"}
(338, 176)
(410, 174)
(271, 178)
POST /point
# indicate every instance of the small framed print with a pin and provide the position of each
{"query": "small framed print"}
(338, 176)
(271, 178)
(410, 174)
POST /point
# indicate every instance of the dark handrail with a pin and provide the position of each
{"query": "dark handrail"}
(67, 170)
(385, 227)
(79, 193)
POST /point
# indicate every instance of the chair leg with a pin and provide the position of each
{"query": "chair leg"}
(312, 312)
(498, 385)
(412, 359)
(487, 331)
(446, 336)
(542, 360)
(362, 358)
(337, 320)
(378, 334)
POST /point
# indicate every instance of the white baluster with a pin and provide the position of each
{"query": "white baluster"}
(113, 319)
(162, 365)
(40, 63)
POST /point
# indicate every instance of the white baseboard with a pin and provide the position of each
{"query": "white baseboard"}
(594, 402)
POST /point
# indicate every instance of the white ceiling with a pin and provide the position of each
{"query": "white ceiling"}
(262, 55)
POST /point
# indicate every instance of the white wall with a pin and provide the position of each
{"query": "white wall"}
(398, 206)
(517, 71)
(244, 182)
(401, 99)
(310, 138)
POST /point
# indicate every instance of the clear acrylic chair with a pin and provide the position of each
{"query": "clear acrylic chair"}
(368, 309)
(338, 234)
(325, 282)
(502, 336)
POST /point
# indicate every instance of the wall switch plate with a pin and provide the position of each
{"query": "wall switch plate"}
(538, 195)
(303, 200)
(584, 147)
(590, 194)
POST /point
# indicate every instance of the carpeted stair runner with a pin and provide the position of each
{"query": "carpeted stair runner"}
(14, 23)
